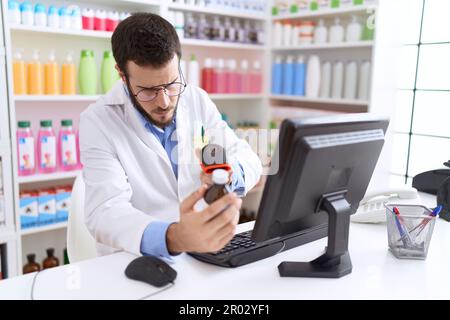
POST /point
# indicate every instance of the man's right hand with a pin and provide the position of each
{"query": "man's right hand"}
(205, 231)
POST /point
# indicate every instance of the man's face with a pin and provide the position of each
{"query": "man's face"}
(161, 109)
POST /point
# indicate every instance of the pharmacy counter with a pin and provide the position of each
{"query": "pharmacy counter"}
(377, 274)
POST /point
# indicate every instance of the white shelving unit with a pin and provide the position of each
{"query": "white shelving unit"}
(48, 177)
(357, 51)
(215, 11)
(50, 227)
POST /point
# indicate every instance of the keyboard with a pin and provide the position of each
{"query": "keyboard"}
(242, 249)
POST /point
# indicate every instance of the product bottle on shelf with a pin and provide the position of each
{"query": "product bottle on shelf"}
(68, 76)
(109, 74)
(300, 77)
(40, 16)
(230, 31)
(64, 18)
(67, 147)
(208, 76)
(219, 77)
(51, 75)
(325, 80)
(313, 77)
(218, 29)
(190, 27)
(51, 261)
(364, 81)
(27, 16)
(100, 20)
(35, 75)
(245, 77)
(32, 265)
(204, 28)
(76, 20)
(87, 73)
(336, 32)
(112, 21)
(351, 81)
(277, 75)
(87, 17)
(240, 31)
(338, 80)
(288, 76)
(233, 78)
(354, 30)
(194, 71)
(13, 12)
(46, 148)
(256, 78)
(179, 24)
(320, 33)
(53, 17)
(25, 149)
(19, 74)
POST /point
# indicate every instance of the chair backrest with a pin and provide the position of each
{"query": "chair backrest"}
(80, 243)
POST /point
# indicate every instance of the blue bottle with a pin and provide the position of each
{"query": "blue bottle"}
(299, 77)
(288, 76)
(277, 75)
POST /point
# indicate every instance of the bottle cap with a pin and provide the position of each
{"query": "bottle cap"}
(66, 123)
(50, 252)
(24, 124)
(107, 54)
(39, 8)
(26, 6)
(220, 176)
(31, 257)
(63, 11)
(13, 5)
(52, 10)
(46, 123)
(87, 53)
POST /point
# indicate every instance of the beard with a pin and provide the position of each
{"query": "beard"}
(163, 122)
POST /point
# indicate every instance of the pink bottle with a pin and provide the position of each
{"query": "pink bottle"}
(25, 149)
(100, 20)
(67, 147)
(112, 20)
(233, 77)
(46, 148)
(245, 77)
(87, 18)
(256, 78)
(220, 78)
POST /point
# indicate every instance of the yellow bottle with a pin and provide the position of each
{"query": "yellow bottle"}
(68, 76)
(51, 74)
(35, 75)
(19, 74)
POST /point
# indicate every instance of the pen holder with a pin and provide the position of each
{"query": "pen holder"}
(410, 231)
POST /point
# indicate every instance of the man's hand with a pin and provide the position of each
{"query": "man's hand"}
(205, 231)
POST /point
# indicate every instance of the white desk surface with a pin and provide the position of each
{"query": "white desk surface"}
(376, 274)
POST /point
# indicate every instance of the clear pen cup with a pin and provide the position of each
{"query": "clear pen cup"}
(409, 234)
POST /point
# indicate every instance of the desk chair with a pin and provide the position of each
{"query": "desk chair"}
(80, 243)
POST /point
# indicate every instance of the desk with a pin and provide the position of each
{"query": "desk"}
(376, 275)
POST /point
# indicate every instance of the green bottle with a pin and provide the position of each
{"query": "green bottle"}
(87, 73)
(109, 74)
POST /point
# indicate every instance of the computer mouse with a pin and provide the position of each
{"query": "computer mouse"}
(151, 270)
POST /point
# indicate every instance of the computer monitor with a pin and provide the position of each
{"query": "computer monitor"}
(325, 166)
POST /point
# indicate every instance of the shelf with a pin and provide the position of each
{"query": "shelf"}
(6, 235)
(56, 98)
(65, 32)
(217, 11)
(327, 12)
(221, 44)
(321, 100)
(326, 46)
(48, 177)
(235, 96)
(50, 227)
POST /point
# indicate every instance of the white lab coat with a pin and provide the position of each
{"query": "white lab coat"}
(128, 175)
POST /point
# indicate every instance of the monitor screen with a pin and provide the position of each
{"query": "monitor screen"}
(317, 157)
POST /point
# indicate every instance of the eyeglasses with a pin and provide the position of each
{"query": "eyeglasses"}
(173, 89)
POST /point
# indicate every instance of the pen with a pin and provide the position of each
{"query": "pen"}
(404, 234)
(424, 222)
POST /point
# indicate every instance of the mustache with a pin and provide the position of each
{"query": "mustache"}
(160, 110)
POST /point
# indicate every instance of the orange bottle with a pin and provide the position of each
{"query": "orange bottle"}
(19, 74)
(68, 76)
(35, 75)
(51, 74)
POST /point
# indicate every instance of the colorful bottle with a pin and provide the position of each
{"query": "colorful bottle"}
(13, 12)
(67, 147)
(25, 149)
(87, 73)
(288, 76)
(68, 76)
(19, 74)
(51, 261)
(245, 77)
(26, 12)
(194, 72)
(109, 74)
(46, 149)
(32, 265)
(277, 75)
(53, 17)
(208, 76)
(35, 75)
(51, 75)
(300, 77)
(40, 15)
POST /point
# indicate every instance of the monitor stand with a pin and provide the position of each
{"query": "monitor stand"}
(335, 262)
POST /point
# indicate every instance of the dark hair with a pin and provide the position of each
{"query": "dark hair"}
(146, 39)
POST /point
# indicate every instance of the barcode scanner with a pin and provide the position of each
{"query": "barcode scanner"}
(214, 157)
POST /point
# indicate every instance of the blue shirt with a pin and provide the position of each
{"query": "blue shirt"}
(153, 240)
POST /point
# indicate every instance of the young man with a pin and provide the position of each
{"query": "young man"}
(138, 147)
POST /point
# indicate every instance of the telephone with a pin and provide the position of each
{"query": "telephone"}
(371, 208)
